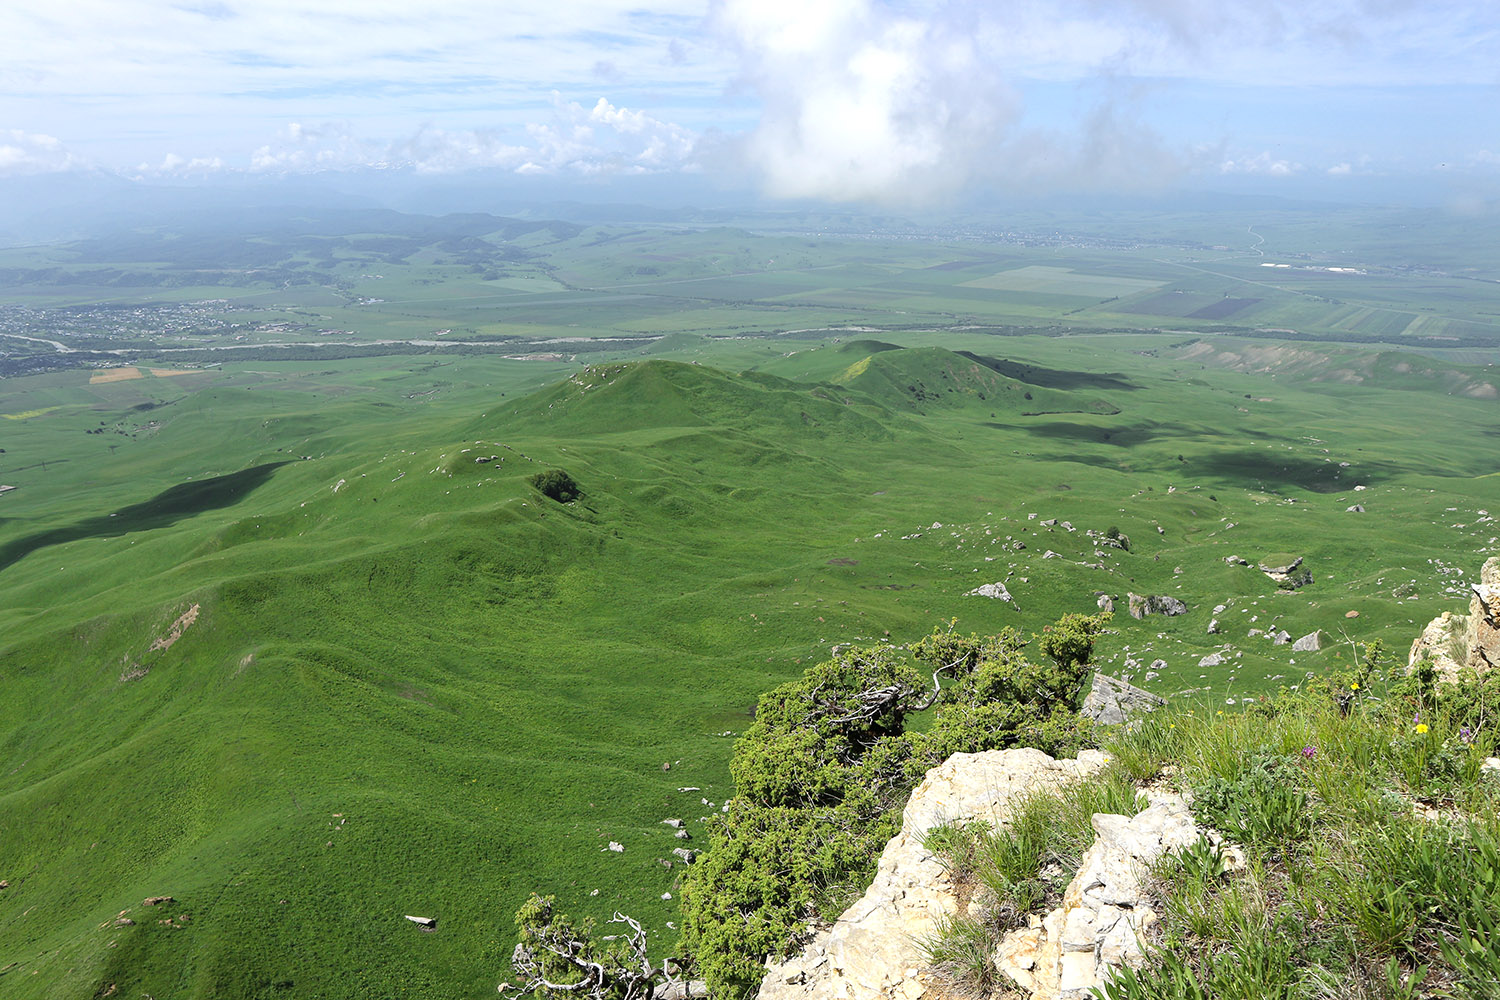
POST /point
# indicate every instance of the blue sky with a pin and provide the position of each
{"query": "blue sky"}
(827, 99)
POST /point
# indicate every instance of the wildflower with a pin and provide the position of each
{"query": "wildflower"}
(1310, 751)
(1466, 734)
(1421, 728)
(1354, 686)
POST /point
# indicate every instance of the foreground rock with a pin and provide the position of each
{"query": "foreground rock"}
(1103, 916)
(872, 950)
(1453, 642)
(1111, 701)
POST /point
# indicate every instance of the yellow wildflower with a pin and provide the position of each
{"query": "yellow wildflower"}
(1421, 728)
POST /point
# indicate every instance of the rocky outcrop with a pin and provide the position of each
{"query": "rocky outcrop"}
(1103, 916)
(993, 590)
(1141, 606)
(872, 951)
(1289, 576)
(1309, 643)
(1453, 642)
(1112, 701)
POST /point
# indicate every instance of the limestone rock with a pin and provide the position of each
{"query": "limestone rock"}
(1141, 606)
(1212, 660)
(994, 590)
(1453, 641)
(1309, 643)
(872, 950)
(1290, 576)
(1280, 637)
(1112, 701)
(1103, 916)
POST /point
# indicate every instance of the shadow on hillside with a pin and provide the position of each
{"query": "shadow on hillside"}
(1053, 378)
(1121, 436)
(166, 508)
(1270, 471)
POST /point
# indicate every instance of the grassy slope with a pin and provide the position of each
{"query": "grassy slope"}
(484, 685)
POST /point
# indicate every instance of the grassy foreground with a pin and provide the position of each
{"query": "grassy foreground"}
(1365, 859)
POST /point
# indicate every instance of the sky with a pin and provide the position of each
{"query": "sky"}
(872, 101)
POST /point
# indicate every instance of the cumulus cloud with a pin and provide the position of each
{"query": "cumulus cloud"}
(35, 153)
(859, 102)
(600, 139)
(1262, 163)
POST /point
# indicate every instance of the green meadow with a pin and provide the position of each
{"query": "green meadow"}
(286, 633)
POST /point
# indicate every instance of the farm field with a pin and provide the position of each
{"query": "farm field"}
(286, 633)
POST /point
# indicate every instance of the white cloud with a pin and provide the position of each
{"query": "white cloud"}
(1262, 164)
(602, 139)
(33, 153)
(860, 103)
(1340, 170)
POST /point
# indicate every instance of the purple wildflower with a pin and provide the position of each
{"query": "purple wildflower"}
(1310, 752)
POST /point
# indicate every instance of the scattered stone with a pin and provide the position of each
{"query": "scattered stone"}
(1355, 509)
(618, 848)
(994, 590)
(675, 824)
(1351, 614)
(1106, 603)
(1288, 577)
(1049, 522)
(1112, 701)
(1141, 606)
(692, 989)
(1049, 554)
(666, 765)
(1491, 765)
(1309, 643)
(157, 900)
(1212, 660)
(1018, 545)
(683, 835)
(426, 923)
(1236, 561)
(687, 856)
(1280, 637)
(1213, 626)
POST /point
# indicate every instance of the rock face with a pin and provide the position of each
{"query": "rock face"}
(1288, 577)
(1453, 641)
(872, 950)
(1141, 606)
(1103, 915)
(1112, 701)
(1309, 643)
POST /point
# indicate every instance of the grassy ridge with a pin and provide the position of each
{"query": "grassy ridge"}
(484, 684)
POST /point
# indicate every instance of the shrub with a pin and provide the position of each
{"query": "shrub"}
(556, 484)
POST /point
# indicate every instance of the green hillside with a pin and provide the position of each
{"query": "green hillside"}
(296, 642)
